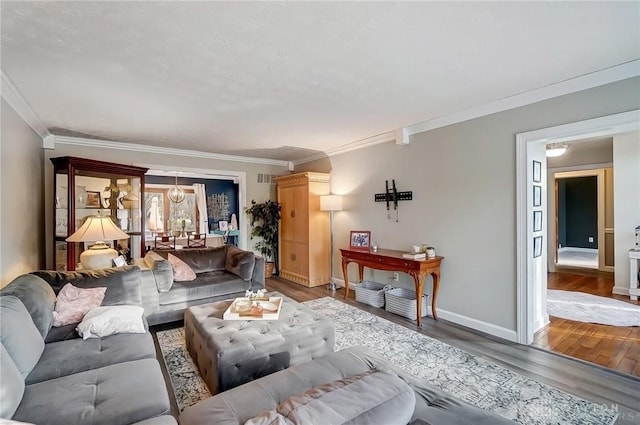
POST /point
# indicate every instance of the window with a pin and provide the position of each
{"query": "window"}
(164, 216)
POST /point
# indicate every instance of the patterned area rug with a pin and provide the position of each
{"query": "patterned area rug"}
(469, 377)
(588, 308)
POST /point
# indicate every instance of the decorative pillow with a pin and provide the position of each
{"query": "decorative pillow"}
(73, 303)
(181, 270)
(105, 321)
(240, 262)
(374, 397)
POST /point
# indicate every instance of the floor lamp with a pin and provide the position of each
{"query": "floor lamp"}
(331, 203)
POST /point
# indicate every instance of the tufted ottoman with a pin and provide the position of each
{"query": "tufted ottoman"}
(229, 353)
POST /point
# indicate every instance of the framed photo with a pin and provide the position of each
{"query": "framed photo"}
(537, 246)
(360, 239)
(93, 200)
(537, 195)
(537, 171)
(120, 261)
(537, 221)
(223, 225)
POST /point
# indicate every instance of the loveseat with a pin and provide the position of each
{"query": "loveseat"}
(220, 273)
(48, 375)
(352, 386)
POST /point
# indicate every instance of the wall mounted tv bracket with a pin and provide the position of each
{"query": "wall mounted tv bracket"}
(392, 196)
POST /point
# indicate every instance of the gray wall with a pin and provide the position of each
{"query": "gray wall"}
(464, 197)
(21, 193)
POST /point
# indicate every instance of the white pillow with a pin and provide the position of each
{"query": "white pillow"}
(109, 320)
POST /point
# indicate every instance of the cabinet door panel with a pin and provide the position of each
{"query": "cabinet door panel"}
(295, 213)
(295, 258)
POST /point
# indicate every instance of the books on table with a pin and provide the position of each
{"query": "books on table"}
(415, 255)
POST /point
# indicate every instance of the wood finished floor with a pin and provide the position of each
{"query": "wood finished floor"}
(614, 347)
(590, 382)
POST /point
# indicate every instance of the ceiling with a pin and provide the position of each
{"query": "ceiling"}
(282, 80)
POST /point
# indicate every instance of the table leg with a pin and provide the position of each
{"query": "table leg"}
(360, 272)
(418, 280)
(436, 284)
(345, 273)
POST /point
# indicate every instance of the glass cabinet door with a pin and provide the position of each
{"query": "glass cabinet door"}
(85, 188)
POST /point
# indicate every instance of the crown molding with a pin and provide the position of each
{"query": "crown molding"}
(109, 144)
(573, 85)
(12, 95)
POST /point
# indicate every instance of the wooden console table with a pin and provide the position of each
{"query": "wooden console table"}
(387, 259)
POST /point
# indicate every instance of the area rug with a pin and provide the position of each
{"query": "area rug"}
(464, 375)
(589, 308)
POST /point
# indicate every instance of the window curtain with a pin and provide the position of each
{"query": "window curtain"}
(201, 202)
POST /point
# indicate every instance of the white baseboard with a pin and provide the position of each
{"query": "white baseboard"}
(621, 290)
(469, 322)
(576, 249)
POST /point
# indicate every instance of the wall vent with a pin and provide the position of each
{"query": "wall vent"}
(267, 178)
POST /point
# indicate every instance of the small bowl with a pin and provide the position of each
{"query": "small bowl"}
(243, 305)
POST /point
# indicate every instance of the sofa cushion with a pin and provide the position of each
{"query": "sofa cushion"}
(11, 385)
(105, 321)
(181, 271)
(207, 285)
(199, 259)
(64, 358)
(120, 394)
(19, 335)
(161, 270)
(240, 262)
(122, 283)
(37, 296)
(73, 303)
(370, 397)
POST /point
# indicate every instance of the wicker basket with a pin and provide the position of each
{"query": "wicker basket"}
(371, 293)
(402, 301)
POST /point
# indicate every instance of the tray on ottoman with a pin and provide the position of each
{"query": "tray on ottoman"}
(229, 353)
(266, 308)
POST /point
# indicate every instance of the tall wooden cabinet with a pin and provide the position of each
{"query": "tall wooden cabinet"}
(85, 187)
(304, 245)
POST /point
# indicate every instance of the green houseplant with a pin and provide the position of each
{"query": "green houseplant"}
(264, 218)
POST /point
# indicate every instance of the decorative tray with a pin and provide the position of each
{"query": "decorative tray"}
(262, 308)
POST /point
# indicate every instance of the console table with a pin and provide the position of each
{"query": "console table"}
(391, 260)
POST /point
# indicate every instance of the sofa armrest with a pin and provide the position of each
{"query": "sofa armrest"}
(161, 270)
(258, 279)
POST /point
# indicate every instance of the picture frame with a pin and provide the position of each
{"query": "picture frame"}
(537, 221)
(93, 200)
(223, 225)
(360, 239)
(537, 171)
(537, 246)
(537, 195)
(120, 261)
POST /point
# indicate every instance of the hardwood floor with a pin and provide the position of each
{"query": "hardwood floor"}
(603, 386)
(614, 347)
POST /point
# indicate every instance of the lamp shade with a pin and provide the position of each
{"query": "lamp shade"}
(330, 203)
(97, 228)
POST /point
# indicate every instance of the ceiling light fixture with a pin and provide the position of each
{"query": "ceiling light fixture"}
(556, 149)
(176, 194)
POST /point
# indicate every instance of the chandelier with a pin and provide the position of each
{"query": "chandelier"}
(176, 194)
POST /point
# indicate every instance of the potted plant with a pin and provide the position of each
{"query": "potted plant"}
(264, 218)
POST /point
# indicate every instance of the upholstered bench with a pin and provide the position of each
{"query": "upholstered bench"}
(229, 353)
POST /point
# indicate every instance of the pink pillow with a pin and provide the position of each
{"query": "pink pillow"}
(73, 303)
(181, 270)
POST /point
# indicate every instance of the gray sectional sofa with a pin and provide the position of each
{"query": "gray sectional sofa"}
(352, 386)
(221, 273)
(50, 376)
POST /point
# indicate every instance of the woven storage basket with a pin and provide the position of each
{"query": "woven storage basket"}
(371, 293)
(402, 301)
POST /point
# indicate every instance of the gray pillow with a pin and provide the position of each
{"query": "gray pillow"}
(123, 283)
(11, 385)
(37, 296)
(240, 262)
(372, 397)
(19, 335)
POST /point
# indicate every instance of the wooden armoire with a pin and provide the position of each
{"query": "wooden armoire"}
(304, 235)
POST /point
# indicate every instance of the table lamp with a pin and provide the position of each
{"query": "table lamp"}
(331, 203)
(99, 229)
